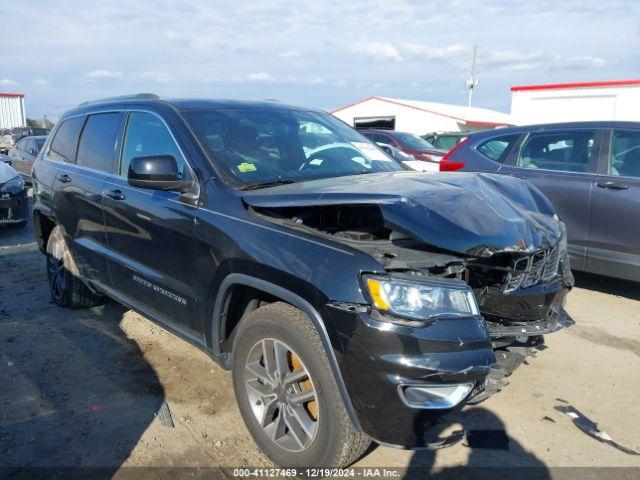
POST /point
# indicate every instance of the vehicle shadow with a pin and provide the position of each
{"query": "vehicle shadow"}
(492, 453)
(75, 391)
(609, 285)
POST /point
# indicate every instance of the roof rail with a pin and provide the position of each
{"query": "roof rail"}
(135, 96)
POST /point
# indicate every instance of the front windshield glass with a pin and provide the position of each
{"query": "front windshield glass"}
(256, 147)
(409, 140)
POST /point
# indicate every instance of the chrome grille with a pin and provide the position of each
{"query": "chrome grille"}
(528, 271)
(553, 262)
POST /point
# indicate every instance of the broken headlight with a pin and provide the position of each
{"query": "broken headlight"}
(421, 300)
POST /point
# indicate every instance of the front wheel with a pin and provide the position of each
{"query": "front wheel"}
(287, 394)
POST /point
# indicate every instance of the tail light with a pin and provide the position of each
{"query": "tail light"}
(448, 165)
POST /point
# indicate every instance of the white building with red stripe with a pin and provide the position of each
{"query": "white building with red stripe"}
(419, 117)
(574, 102)
(12, 112)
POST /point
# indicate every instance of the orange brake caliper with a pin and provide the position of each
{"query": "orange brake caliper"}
(305, 385)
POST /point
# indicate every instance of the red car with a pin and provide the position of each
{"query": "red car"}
(409, 143)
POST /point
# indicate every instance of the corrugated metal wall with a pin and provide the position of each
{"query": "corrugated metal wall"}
(11, 111)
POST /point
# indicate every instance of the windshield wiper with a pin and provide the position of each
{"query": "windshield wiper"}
(274, 183)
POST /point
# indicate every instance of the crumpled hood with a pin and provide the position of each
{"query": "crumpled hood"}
(467, 213)
(6, 173)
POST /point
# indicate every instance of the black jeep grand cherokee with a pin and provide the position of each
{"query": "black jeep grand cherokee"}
(352, 299)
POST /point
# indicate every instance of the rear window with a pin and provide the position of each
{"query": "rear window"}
(408, 140)
(497, 149)
(63, 147)
(98, 142)
(447, 142)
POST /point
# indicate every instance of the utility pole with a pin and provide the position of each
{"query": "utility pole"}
(473, 79)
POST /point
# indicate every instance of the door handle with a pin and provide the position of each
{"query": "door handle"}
(613, 185)
(63, 177)
(116, 194)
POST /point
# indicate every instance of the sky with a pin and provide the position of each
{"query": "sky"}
(318, 53)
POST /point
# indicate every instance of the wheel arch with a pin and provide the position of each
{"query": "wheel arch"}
(285, 295)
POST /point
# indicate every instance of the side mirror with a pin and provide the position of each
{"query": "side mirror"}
(156, 172)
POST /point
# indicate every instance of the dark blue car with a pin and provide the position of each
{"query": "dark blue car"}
(591, 173)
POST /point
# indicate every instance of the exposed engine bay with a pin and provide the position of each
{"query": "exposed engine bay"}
(520, 276)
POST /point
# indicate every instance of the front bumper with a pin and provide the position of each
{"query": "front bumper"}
(528, 312)
(14, 207)
(380, 360)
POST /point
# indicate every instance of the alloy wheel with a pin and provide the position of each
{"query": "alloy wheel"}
(282, 395)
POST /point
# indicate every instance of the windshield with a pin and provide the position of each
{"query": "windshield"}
(256, 147)
(409, 140)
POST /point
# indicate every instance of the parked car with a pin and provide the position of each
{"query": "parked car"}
(5, 158)
(408, 160)
(591, 173)
(19, 133)
(352, 299)
(407, 142)
(23, 155)
(14, 204)
(445, 140)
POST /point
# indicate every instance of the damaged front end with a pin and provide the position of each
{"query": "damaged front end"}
(498, 235)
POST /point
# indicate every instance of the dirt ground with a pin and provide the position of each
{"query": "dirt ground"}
(83, 388)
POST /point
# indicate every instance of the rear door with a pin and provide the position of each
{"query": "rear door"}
(84, 149)
(152, 256)
(614, 247)
(29, 157)
(562, 164)
(17, 152)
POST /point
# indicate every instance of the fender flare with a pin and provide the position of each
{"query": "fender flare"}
(298, 302)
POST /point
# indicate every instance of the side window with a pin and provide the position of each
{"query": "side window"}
(625, 153)
(147, 135)
(97, 142)
(63, 147)
(497, 148)
(30, 145)
(559, 151)
(370, 135)
(382, 138)
(22, 144)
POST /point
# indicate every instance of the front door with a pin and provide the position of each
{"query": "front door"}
(562, 164)
(150, 232)
(614, 247)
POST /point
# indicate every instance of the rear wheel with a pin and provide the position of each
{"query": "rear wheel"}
(287, 394)
(67, 290)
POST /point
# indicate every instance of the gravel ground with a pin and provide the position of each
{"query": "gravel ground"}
(83, 388)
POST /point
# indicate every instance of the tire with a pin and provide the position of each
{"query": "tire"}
(67, 289)
(332, 440)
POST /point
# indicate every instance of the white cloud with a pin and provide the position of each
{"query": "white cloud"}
(417, 50)
(516, 61)
(340, 83)
(290, 54)
(41, 82)
(377, 50)
(7, 81)
(260, 77)
(316, 81)
(154, 76)
(103, 74)
(579, 62)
